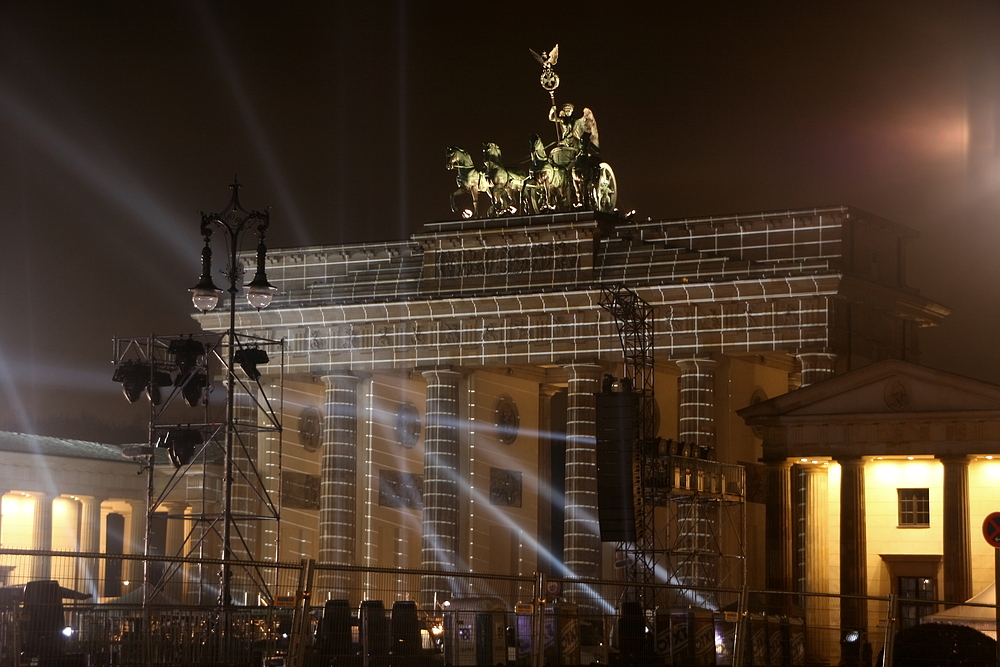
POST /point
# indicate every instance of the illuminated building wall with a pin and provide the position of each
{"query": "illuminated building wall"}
(892, 473)
(57, 495)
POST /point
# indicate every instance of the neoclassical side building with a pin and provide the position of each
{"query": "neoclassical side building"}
(889, 473)
(70, 495)
(439, 390)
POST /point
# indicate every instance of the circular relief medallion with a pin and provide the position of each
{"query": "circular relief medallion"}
(310, 428)
(507, 420)
(407, 425)
(897, 395)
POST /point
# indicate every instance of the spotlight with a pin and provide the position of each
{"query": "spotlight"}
(192, 387)
(186, 352)
(157, 379)
(181, 445)
(137, 375)
(248, 358)
(134, 376)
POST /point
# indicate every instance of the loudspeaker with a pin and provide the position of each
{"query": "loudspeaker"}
(617, 422)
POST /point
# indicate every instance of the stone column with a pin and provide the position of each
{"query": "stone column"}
(204, 496)
(41, 536)
(90, 542)
(816, 545)
(957, 567)
(544, 477)
(338, 494)
(246, 487)
(697, 401)
(581, 526)
(134, 569)
(270, 460)
(816, 366)
(778, 528)
(853, 551)
(176, 532)
(696, 520)
(440, 516)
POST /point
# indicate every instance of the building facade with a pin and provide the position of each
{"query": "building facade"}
(439, 390)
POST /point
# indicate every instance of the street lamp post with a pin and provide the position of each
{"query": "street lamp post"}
(234, 221)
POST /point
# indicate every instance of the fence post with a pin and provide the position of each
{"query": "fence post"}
(300, 618)
(741, 627)
(890, 632)
(537, 644)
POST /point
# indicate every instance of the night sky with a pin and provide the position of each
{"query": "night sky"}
(121, 122)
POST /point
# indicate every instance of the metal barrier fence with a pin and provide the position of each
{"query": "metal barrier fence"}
(312, 615)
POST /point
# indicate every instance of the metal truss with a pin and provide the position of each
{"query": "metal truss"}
(635, 331)
(214, 449)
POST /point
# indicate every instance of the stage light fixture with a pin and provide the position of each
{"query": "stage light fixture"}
(156, 380)
(134, 376)
(192, 387)
(181, 444)
(249, 358)
(186, 352)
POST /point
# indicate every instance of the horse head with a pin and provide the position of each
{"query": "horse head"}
(536, 152)
(491, 155)
(456, 157)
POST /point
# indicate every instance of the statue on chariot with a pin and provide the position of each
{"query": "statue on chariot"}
(566, 175)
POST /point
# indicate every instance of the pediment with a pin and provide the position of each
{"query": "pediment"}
(887, 387)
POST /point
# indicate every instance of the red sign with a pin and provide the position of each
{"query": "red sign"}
(991, 529)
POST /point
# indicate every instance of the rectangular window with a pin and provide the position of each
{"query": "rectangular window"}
(914, 507)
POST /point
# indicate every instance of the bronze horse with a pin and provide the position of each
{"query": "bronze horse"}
(550, 186)
(470, 180)
(505, 184)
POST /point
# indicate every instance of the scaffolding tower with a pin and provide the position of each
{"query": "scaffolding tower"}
(690, 514)
(212, 460)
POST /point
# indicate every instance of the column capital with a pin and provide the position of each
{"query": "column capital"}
(695, 362)
(443, 374)
(548, 390)
(584, 371)
(813, 468)
(134, 503)
(850, 461)
(175, 507)
(778, 464)
(334, 379)
(963, 459)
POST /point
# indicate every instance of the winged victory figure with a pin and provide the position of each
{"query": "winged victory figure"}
(548, 59)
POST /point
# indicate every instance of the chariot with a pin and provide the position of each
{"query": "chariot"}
(565, 175)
